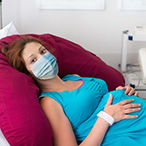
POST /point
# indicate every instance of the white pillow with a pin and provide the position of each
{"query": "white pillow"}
(3, 141)
(8, 30)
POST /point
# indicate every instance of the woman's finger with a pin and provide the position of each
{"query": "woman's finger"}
(120, 87)
(109, 101)
(128, 89)
(127, 106)
(131, 110)
(130, 116)
(136, 93)
(126, 101)
(132, 91)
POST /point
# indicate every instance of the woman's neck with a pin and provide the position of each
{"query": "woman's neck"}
(54, 84)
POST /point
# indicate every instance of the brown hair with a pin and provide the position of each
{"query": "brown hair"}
(13, 52)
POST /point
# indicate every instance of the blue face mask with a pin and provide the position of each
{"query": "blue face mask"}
(45, 67)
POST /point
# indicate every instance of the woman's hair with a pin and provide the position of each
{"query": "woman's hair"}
(13, 52)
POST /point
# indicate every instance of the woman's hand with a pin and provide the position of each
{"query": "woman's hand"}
(120, 110)
(128, 90)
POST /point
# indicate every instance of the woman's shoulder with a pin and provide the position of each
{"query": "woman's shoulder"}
(76, 75)
(50, 101)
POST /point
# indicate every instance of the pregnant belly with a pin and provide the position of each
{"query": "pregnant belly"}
(133, 128)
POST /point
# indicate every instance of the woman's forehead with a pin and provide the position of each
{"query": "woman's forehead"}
(30, 48)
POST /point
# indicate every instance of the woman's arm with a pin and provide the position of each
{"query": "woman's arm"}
(62, 130)
(118, 112)
(97, 133)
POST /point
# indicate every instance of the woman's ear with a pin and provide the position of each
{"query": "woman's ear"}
(4, 49)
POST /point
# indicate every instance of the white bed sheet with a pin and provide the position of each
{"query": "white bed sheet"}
(3, 141)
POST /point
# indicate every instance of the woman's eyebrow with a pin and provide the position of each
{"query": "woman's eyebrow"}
(30, 56)
(40, 47)
(33, 54)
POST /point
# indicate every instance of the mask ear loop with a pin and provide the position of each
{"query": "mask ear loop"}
(128, 81)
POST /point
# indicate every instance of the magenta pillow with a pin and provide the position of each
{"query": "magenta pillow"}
(22, 120)
(73, 59)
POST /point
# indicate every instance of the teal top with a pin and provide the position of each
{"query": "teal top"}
(82, 105)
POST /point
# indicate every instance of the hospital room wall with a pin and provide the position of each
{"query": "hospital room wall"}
(97, 31)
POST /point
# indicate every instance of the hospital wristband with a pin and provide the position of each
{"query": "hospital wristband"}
(106, 117)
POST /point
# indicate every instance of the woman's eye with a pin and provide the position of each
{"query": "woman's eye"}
(33, 60)
(43, 51)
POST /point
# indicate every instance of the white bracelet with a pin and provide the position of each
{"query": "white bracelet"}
(106, 117)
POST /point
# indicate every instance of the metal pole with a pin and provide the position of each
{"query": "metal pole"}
(124, 51)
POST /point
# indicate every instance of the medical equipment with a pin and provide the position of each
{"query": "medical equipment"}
(137, 34)
(142, 61)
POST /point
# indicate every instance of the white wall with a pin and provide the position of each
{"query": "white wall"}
(97, 31)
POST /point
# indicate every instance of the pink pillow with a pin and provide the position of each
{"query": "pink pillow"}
(73, 59)
(21, 118)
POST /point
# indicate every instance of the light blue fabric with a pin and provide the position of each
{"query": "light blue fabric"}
(45, 67)
(82, 105)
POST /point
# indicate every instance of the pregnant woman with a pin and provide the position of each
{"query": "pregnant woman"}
(80, 110)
